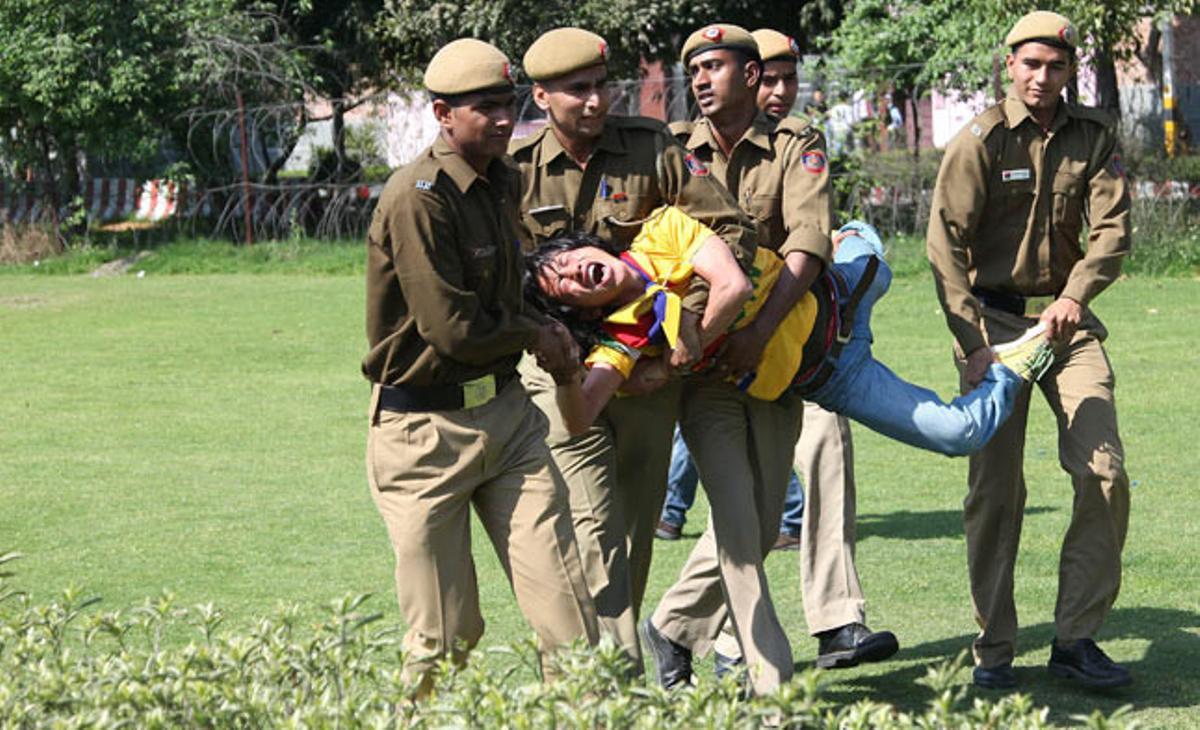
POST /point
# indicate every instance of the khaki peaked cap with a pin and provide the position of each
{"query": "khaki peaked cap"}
(467, 65)
(1044, 27)
(562, 51)
(719, 35)
(773, 45)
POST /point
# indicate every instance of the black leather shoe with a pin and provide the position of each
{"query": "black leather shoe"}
(727, 664)
(853, 644)
(1000, 676)
(672, 661)
(1084, 662)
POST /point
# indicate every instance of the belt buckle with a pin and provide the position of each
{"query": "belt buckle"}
(479, 391)
(1034, 306)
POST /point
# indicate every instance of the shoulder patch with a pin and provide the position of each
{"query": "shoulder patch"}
(424, 185)
(694, 165)
(813, 161)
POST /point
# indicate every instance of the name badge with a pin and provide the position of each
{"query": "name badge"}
(1015, 175)
(479, 391)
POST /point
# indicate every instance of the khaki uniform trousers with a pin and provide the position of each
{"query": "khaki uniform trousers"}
(1079, 389)
(743, 452)
(832, 595)
(616, 475)
(425, 470)
(824, 457)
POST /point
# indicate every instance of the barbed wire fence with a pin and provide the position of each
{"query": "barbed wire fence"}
(263, 171)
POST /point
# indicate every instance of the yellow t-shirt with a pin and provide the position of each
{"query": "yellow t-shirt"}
(663, 251)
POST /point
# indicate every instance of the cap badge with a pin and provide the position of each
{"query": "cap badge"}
(1064, 34)
(603, 50)
(713, 33)
(792, 44)
(508, 74)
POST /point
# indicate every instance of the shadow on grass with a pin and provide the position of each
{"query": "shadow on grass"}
(1163, 678)
(930, 525)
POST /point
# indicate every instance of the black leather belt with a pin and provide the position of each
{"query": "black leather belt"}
(1018, 304)
(454, 397)
(810, 382)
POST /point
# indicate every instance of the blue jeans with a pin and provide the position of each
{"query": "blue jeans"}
(865, 389)
(681, 491)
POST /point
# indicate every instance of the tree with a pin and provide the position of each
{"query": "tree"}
(952, 44)
(84, 81)
(337, 41)
(412, 30)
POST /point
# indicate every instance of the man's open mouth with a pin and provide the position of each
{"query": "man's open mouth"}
(596, 273)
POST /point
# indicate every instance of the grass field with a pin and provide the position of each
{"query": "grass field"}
(205, 433)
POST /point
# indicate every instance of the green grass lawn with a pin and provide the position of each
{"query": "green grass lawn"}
(206, 434)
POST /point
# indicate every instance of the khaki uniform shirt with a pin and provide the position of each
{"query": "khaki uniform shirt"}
(1011, 204)
(636, 167)
(444, 297)
(779, 174)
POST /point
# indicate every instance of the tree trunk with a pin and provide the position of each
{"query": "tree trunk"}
(1108, 96)
(50, 185)
(914, 103)
(339, 138)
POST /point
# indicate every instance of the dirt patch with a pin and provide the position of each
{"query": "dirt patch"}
(22, 302)
(21, 244)
(121, 265)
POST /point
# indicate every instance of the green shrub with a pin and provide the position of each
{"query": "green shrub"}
(65, 664)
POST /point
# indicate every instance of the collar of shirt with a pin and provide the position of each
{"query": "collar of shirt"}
(1015, 112)
(758, 134)
(459, 171)
(610, 141)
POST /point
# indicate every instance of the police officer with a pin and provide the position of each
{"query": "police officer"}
(834, 605)
(450, 424)
(589, 171)
(778, 172)
(1014, 191)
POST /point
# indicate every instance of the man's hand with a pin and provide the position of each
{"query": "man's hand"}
(977, 364)
(1062, 319)
(687, 346)
(742, 352)
(649, 374)
(556, 351)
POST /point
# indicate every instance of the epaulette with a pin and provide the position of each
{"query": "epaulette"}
(681, 130)
(1093, 114)
(982, 125)
(798, 126)
(516, 146)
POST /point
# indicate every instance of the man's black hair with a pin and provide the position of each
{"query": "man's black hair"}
(586, 331)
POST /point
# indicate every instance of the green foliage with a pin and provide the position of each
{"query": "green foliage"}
(200, 256)
(950, 44)
(63, 663)
(412, 30)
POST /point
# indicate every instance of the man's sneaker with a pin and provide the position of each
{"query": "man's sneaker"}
(1086, 663)
(667, 531)
(852, 644)
(672, 661)
(1000, 676)
(786, 541)
(1029, 356)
